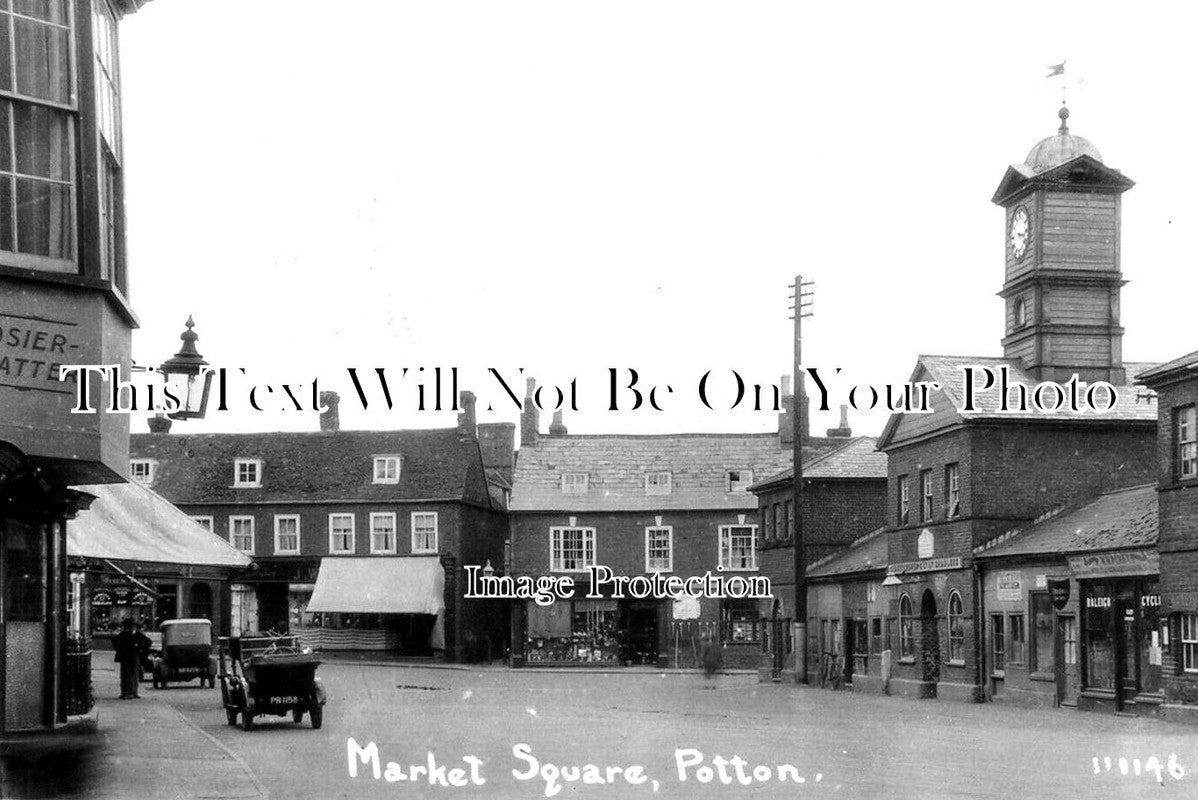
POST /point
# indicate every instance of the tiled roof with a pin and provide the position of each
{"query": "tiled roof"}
(1132, 404)
(130, 522)
(1188, 361)
(1121, 519)
(854, 458)
(616, 466)
(870, 552)
(338, 465)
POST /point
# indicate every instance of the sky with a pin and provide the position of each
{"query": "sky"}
(566, 188)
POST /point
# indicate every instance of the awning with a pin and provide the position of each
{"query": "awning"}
(380, 585)
(130, 522)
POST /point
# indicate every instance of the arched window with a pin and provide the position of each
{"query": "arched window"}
(906, 634)
(956, 628)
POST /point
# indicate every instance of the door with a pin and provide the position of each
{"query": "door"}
(1065, 660)
(1127, 673)
(23, 564)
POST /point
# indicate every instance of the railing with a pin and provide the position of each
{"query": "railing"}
(77, 674)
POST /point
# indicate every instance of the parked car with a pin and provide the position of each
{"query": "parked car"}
(185, 653)
(262, 675)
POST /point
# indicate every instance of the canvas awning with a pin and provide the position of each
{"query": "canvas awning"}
(130, 522)
(379, 585)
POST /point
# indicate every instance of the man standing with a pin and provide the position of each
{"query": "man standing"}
(131, 647)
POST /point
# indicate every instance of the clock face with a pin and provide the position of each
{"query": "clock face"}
(1021, 230)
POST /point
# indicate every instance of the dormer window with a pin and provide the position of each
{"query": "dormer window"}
(142, 470)
(658, 483)
(386, 469)
(574, 483)
(738, 480)
(247, 472)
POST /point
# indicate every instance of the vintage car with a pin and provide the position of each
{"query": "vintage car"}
(185, 653)
(269, 675)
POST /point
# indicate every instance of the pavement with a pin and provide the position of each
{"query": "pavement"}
(147, 749)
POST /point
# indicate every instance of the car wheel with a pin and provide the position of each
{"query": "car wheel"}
(247, 720)
(231, 715)
(317, 715)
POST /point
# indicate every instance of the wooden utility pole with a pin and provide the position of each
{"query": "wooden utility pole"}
(803, 298)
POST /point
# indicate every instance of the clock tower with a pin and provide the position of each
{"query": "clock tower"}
(1061, 245)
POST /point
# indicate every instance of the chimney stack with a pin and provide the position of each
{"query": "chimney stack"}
(159, 423)
(330, 421)
(530, 417)
(844, 431)
(786, 431)
(467, 424)
(557, 427)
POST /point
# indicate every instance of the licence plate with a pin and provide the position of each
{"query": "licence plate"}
(283, 699)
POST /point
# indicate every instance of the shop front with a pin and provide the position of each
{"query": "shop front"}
(1123, 636)
(391, 604)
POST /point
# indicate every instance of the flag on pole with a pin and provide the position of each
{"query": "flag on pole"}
(1057, 69)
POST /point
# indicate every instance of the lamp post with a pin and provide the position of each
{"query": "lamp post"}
(185, 377)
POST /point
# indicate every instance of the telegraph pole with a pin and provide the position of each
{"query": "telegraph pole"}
(803, 297)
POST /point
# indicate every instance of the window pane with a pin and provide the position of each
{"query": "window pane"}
(43, 142)
(1042, 619)
(42, 61)
(43, 218)
(49, 10)
(5, 56)
(6, 227)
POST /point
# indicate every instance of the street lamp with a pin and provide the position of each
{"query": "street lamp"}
(183, 377)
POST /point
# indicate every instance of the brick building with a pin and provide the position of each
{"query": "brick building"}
(971, 471)
(675, 504)
(843, 497)
(359, 538)
(1176, 384)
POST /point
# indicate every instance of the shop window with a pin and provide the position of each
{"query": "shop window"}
(1097, 623)
(906, 631)
(738, 547)
(1069, 635)
(1017, 650)
(1043, 655)
(341, 533)
(571, 549)
(998, 642)
(241, 533)
(1189, 642)
(382, 533)
(287, 534)
(925, 494)
(1186, 435)
(952, 490)
(199, 604)
(659, 549)
(904, 500)
(741, 621)
(956, 628)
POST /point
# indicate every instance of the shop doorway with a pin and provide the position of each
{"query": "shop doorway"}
(929, 638)
(640, 633)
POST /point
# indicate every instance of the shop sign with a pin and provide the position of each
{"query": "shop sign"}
(1010, 586)
(926, 565)
(101, 598)
(1058, 590)
(1110, 565)
(686, 607)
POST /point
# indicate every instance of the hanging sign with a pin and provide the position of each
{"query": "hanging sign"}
(1058, 590)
